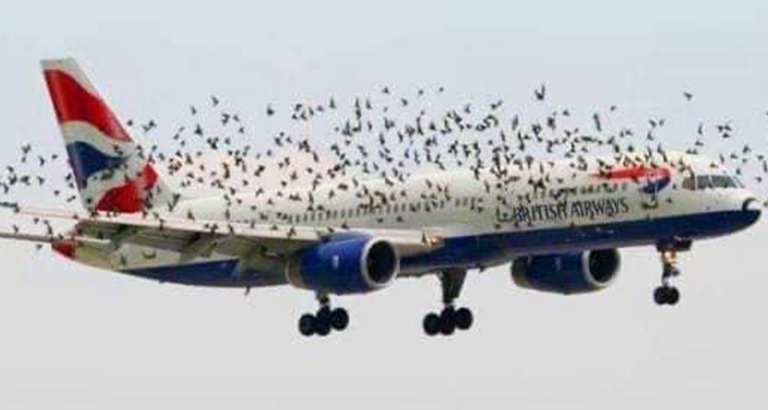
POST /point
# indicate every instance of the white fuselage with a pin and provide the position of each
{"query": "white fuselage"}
(488, 218)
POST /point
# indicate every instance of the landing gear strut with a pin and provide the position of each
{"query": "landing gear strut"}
(451, 318)
(667, 294)
(325, 320)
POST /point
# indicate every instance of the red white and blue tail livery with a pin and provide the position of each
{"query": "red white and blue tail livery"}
(109, 173)
(559, 226)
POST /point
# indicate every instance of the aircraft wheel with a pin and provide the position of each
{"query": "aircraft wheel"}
(660, 296)
(307, 324)
(666, 295)
(463, 318)
(322, 326)
(673, 296)
(448, 321)
(431, 324)
(339, 319)
(323, 321)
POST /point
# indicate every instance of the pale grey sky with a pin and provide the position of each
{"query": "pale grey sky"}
(79, 338)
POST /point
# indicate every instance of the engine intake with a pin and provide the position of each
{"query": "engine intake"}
(569, 273)
(345, 265)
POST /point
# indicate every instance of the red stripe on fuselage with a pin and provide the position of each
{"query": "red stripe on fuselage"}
(634, 173)
(129, 198)
(72, 102)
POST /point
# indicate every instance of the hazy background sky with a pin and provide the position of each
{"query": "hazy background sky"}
(79, 338)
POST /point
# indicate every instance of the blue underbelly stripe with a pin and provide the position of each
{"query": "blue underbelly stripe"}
(472, 251)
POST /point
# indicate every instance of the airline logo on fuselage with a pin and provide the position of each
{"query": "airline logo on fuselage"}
(564, 210)
(654, 179)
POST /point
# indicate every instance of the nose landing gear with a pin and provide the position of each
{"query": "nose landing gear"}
(667, 293)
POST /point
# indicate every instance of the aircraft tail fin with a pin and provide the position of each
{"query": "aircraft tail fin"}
(110, 172)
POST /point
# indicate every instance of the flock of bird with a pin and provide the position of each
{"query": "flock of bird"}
(383, 136)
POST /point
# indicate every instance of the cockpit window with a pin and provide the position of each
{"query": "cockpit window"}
(689, 183)
(715, 181)
(722, 181)
(703, 182)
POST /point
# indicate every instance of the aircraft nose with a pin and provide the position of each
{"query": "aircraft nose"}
(752, 209)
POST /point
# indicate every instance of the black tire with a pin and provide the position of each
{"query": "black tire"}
(660, 296)
(431, 324)
(463, 318)
(339, 319)
(323, 324)
(447, 322)
(324, 314)
(307, 325)
(673, 296)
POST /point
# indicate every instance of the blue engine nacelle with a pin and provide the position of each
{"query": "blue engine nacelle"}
(345, 265)
(568, 273)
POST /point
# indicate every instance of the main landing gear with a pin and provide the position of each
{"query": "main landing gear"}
(668, 294)
(451, 318)
(325, 320)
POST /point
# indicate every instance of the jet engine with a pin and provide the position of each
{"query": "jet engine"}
(345, 265)
(569, 273)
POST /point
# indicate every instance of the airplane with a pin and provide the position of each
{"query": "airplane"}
(558, 225)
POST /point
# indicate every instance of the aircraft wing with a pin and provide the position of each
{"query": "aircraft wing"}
(49, 238)
(194, 238)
